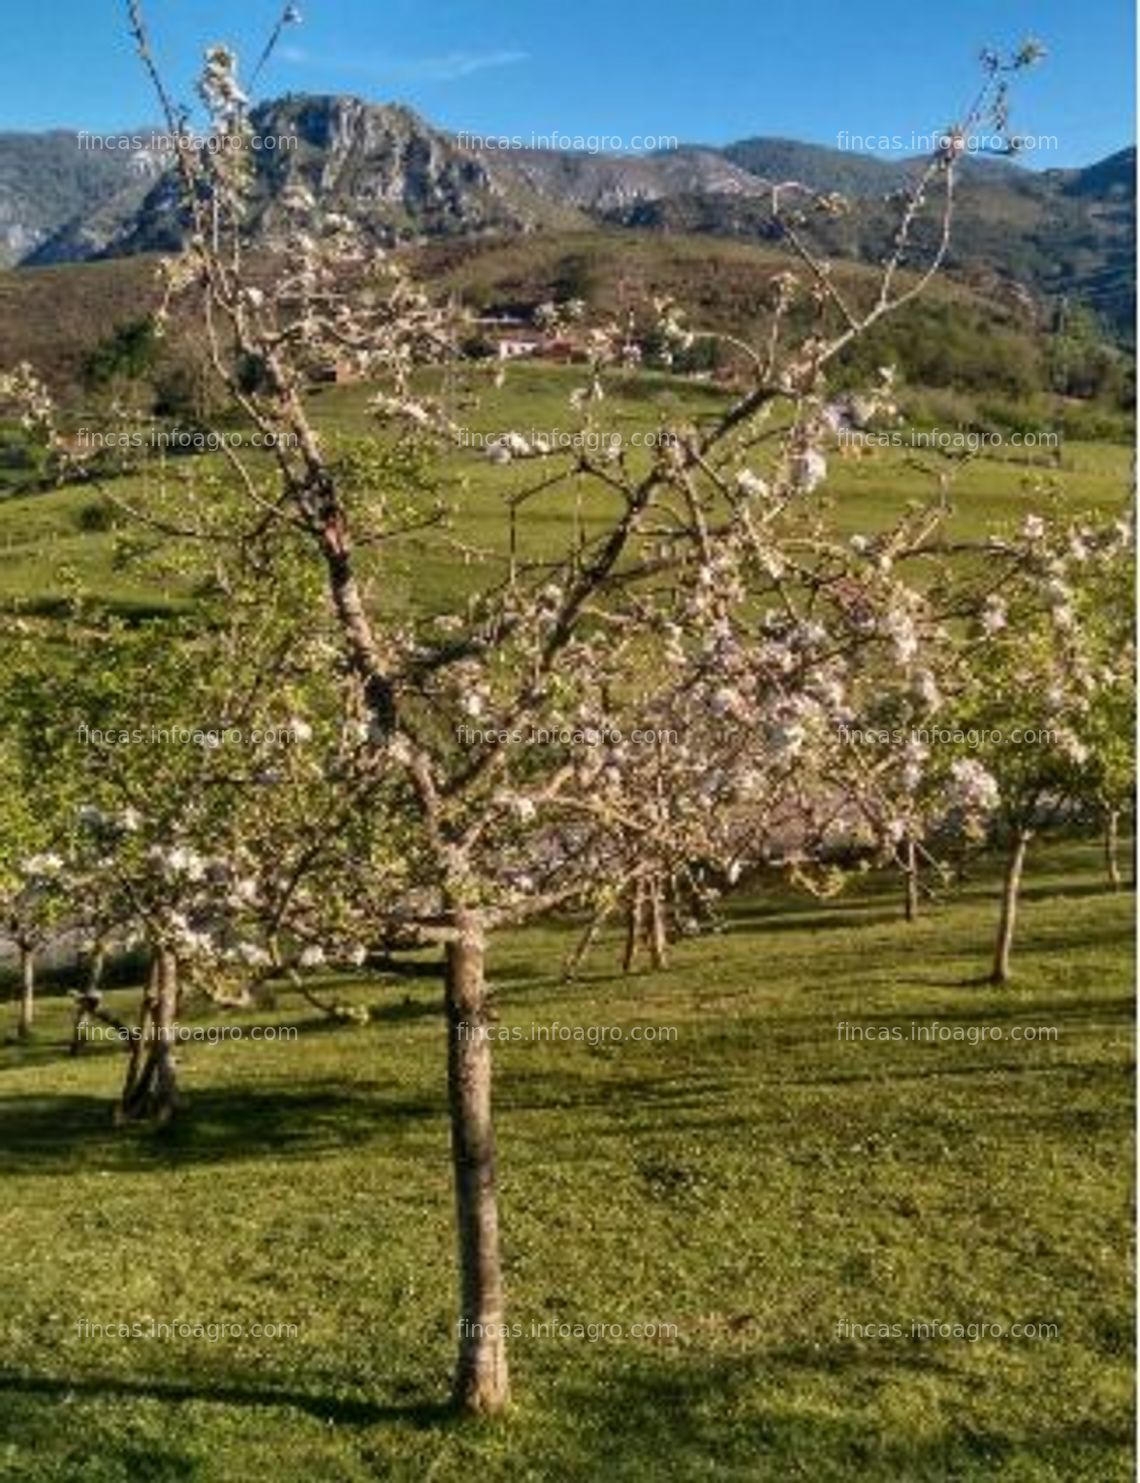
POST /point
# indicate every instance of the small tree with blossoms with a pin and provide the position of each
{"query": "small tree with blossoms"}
(714, 541)
(32, 910)
(1106, 729)
(214, 780)
(37, 798)
(909, 776)
(1053, 667)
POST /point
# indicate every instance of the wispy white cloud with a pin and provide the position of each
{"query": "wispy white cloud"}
(449, 67)
(457, 64)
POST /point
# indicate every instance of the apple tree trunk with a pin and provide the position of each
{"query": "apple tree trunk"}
(150, 1093)
(481, 1380)
(27, 991)
(1011, 888)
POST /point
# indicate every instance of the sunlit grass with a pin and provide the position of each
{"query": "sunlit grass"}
(753, 1181)
(46, 554)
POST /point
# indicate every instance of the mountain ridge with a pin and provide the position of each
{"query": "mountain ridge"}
(1058, 234)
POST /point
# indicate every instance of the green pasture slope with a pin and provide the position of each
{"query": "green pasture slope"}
(47, 545)
(755, 1182)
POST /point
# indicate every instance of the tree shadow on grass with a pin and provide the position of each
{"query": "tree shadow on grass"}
(26, 1055)
(32, 1408)
(838, 917)
(800, 1410)
(1076, 1012)
(594, 1113)
(408, 1009)
(1034, 942)
(1069, 891)
(523, 1089)
(318, 1025)
(43, 1051)
(338, 1409)
(746, 1417)
(68, 1134)
(508, 972)
(1092, 1072)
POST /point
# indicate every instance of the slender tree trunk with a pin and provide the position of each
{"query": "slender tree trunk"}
(84, 1003)
(87, 1000)
(1012, 885)
(634, 925)
(164, 1094)
(481, 1381)
(585, 943)
(27, 992)
(656, 934)
(142, 1038)
(911, 879)
(96, 968)
(151, 1089)
(1112, 847)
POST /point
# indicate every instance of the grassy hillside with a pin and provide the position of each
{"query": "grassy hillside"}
(48, 545)
(52, 317)
(754, 1182)
(990, 345)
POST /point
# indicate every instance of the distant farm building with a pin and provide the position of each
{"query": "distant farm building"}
(519, 343)
(513, 337)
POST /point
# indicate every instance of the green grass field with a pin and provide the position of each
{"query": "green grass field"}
(753, 1182)
(46, 552)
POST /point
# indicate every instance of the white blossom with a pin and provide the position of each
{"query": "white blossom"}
(973, 788)
(751, 484)
(809, 470)
(994, 616)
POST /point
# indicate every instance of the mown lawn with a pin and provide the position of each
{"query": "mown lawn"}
(755, 1182)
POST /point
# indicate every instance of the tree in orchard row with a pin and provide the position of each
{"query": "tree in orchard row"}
(32, 910)
(215, 792)
(1052, 694)
(1106, 727)
(37, 807)
(1034, 654)
(691, 542)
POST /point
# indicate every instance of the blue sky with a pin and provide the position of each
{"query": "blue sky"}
(708, 72)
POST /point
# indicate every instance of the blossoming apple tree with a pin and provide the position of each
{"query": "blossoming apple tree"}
(1052, 691)
(706, 592)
